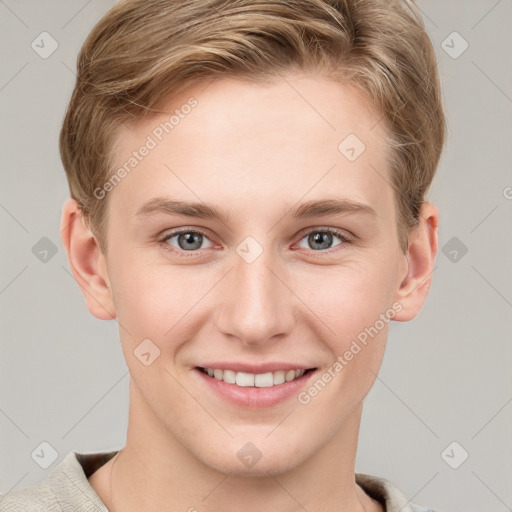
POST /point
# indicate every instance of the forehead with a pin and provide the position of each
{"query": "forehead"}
(274, 142)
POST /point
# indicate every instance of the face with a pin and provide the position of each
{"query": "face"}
(260, 277)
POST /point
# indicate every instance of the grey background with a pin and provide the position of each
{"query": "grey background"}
(446, 375)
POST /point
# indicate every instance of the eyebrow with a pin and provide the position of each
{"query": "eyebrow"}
(208, 211)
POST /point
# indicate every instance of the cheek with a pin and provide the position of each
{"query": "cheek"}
(162, 303)
(147, 293)
(347, 299)
(150, 300)
(354, 308)
(353, 305)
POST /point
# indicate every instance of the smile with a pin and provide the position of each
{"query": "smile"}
(258, 380)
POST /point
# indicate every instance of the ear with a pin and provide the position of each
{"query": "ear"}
(87, 262)
(421, 256)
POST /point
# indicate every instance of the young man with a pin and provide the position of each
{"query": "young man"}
(248, 185)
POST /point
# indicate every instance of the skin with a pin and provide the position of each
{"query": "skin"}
(254, 151)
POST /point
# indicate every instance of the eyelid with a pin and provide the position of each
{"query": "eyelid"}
(342, 233)
(185, 229)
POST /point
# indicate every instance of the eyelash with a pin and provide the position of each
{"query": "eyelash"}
(187, 254)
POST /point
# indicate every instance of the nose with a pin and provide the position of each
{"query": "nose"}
(257, 306)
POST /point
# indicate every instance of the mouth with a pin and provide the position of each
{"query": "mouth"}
(257, 380)
(264, 389)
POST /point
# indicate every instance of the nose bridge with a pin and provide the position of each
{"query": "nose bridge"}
(257, 305)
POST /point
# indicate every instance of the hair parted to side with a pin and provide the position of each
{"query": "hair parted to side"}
(143, 51)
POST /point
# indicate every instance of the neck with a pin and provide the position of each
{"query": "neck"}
(154, 470)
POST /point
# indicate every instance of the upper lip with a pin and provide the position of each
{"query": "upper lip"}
(255, 368)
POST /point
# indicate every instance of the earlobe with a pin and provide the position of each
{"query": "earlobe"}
(86, 261)
(415, 285)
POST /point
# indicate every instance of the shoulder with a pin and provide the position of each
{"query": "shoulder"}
(37, 498)
(65, 489)
(387, 494)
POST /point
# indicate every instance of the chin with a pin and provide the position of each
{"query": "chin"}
(251, 461)
(262, 468)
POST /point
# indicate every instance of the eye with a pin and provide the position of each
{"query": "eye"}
(192, 240)
(322, 239)
(186, 240)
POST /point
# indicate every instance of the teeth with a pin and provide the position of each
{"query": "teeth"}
(229, 376)
(264, 380)
(279, 377)
(260, 380)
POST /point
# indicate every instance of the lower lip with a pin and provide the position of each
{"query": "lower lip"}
(253, 397)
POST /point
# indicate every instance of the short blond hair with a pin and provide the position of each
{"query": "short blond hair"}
(143, 51)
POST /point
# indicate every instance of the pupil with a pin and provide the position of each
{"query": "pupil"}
(317, 239)
(190, 238)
